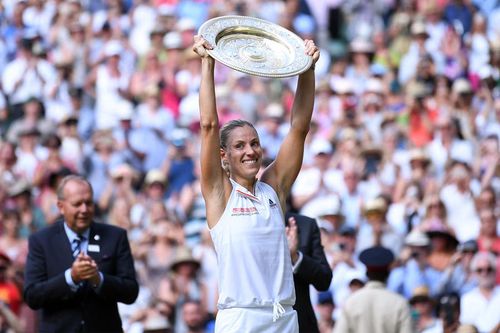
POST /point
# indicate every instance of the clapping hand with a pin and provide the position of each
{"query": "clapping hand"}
(84, 268)
(293, 238)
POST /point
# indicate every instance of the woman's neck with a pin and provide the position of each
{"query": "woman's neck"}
(246, 183)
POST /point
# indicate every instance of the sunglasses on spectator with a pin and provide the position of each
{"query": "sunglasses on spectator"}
(481, 270)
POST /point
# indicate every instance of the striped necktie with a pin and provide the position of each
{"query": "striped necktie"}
(77, 242)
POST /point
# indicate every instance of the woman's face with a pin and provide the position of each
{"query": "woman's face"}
(243, 153)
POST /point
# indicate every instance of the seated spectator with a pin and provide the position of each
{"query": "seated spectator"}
(415, 271)
(443, 246)
(183, 284)
(423, 307)
(194, 317)
(325, 309)
(11, 244)
(480, 306)
(32, 218)
(458, 277)
(458, 198)
(375, 230)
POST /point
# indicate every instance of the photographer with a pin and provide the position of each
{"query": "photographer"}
(415, 271)
(458, 277)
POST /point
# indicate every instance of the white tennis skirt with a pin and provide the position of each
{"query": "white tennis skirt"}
(256, 320)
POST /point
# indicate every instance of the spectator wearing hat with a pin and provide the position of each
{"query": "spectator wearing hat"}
(183, 284)
(417, 50)
(325, 307)
(359, 72)
(480, 306)
(310, 266)
(352, 281)
(152, 194)
(156, 248)
(375, 230)
(326, 210)
(458, 277)
(32, 218)
(415, 270)
(443, 246)
(423, 309)
(373, 308)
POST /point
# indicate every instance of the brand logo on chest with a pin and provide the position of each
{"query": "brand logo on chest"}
(238, 211)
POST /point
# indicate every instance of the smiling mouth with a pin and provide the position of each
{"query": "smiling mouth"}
(250, 162)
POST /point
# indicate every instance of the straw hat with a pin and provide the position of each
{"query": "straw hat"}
(375, 205)
(183, 255)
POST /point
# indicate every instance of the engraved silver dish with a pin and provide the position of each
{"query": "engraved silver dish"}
(255, 46)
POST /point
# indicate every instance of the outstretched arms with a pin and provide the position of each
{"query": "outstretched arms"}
(213, 178)
(282, 172)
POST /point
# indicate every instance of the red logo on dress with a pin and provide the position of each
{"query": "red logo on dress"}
(244, 211)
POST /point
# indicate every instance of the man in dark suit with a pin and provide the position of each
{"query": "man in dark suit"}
(77, 270)
(309, 267)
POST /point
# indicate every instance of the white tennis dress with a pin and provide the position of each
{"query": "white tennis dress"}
(256, 290)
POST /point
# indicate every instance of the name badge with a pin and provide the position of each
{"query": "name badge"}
(93, 248)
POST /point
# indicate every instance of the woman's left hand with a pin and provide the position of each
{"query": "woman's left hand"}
(312, 50)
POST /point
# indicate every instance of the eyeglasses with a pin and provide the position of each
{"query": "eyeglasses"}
(482, 270)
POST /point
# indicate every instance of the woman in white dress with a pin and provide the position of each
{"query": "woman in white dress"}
(245, 215)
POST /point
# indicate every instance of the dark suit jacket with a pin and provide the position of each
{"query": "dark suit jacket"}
(63, 310)
(314, 269)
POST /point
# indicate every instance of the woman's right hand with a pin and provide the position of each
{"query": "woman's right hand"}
(201, 46)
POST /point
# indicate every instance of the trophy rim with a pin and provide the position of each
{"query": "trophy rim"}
(219, 27)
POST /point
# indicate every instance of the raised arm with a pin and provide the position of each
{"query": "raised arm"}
(282, 172)
(213, 177)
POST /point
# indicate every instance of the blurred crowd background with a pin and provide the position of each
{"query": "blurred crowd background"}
(403, 149)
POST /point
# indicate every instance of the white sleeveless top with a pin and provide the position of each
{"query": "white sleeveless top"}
(255, 268)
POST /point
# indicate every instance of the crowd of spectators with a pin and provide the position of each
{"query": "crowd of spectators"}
(403, 151)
